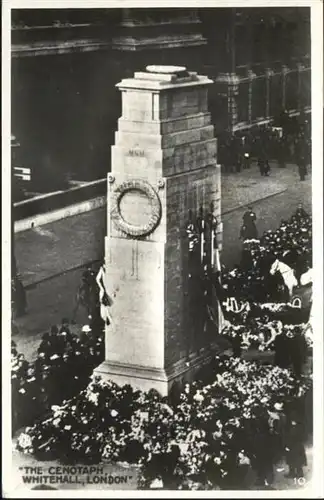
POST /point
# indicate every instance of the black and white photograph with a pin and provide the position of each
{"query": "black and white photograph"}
(162, 249)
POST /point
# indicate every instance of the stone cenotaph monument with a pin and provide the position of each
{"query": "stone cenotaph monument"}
(164, 173)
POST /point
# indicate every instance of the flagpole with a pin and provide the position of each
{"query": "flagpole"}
(202, 241)
(212, 247)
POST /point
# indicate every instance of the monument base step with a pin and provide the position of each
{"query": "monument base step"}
(145, 378)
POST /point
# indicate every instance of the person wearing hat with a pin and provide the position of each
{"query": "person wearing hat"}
(246, 160)
(249, 219)
(65, 330)
(86, 329)
(263, 162)
(277, 422)
(301, 213)
(249, 216)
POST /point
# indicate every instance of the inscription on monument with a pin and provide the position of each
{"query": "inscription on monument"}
(136, 152)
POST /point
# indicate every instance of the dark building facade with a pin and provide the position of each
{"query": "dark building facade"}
(65, 64)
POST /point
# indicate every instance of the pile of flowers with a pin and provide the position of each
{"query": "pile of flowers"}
(63, 366)
(261, 334)
(200, 442)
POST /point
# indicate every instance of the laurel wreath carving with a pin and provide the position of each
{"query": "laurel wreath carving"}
(119, 221)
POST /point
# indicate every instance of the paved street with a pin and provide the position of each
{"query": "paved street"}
(49, 259)
(269, 211)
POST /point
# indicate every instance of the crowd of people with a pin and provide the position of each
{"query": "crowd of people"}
(285, 140)
(64, 362)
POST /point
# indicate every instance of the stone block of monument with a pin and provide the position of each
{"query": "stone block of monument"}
(163, 168)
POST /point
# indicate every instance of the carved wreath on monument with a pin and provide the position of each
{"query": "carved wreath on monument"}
(136, 198)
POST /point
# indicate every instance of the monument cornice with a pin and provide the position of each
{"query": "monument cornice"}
(141, 84)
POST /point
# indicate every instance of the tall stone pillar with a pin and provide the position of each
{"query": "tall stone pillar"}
(251, 77)
(163, 167)
(228, 85)
(284, 72)
(300, 69)
(269, 74)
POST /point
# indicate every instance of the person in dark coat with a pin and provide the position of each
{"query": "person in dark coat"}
(281, 152)
(301, 212)
(264, 454)
(18, 296)
(294, 446)
(23, 367)
(281, 348)
(261, 166)
(266, 168)
(249, 219)
(244, 233)
(298, 352)
(249, 216)
(246, 159)
(236, 157)
(301, 156)
(302, 168)
(250, 232)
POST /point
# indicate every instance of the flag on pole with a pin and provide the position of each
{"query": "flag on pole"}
(192, 236)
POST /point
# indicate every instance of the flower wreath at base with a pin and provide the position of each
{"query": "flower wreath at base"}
(262, 335)
(200, 441)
